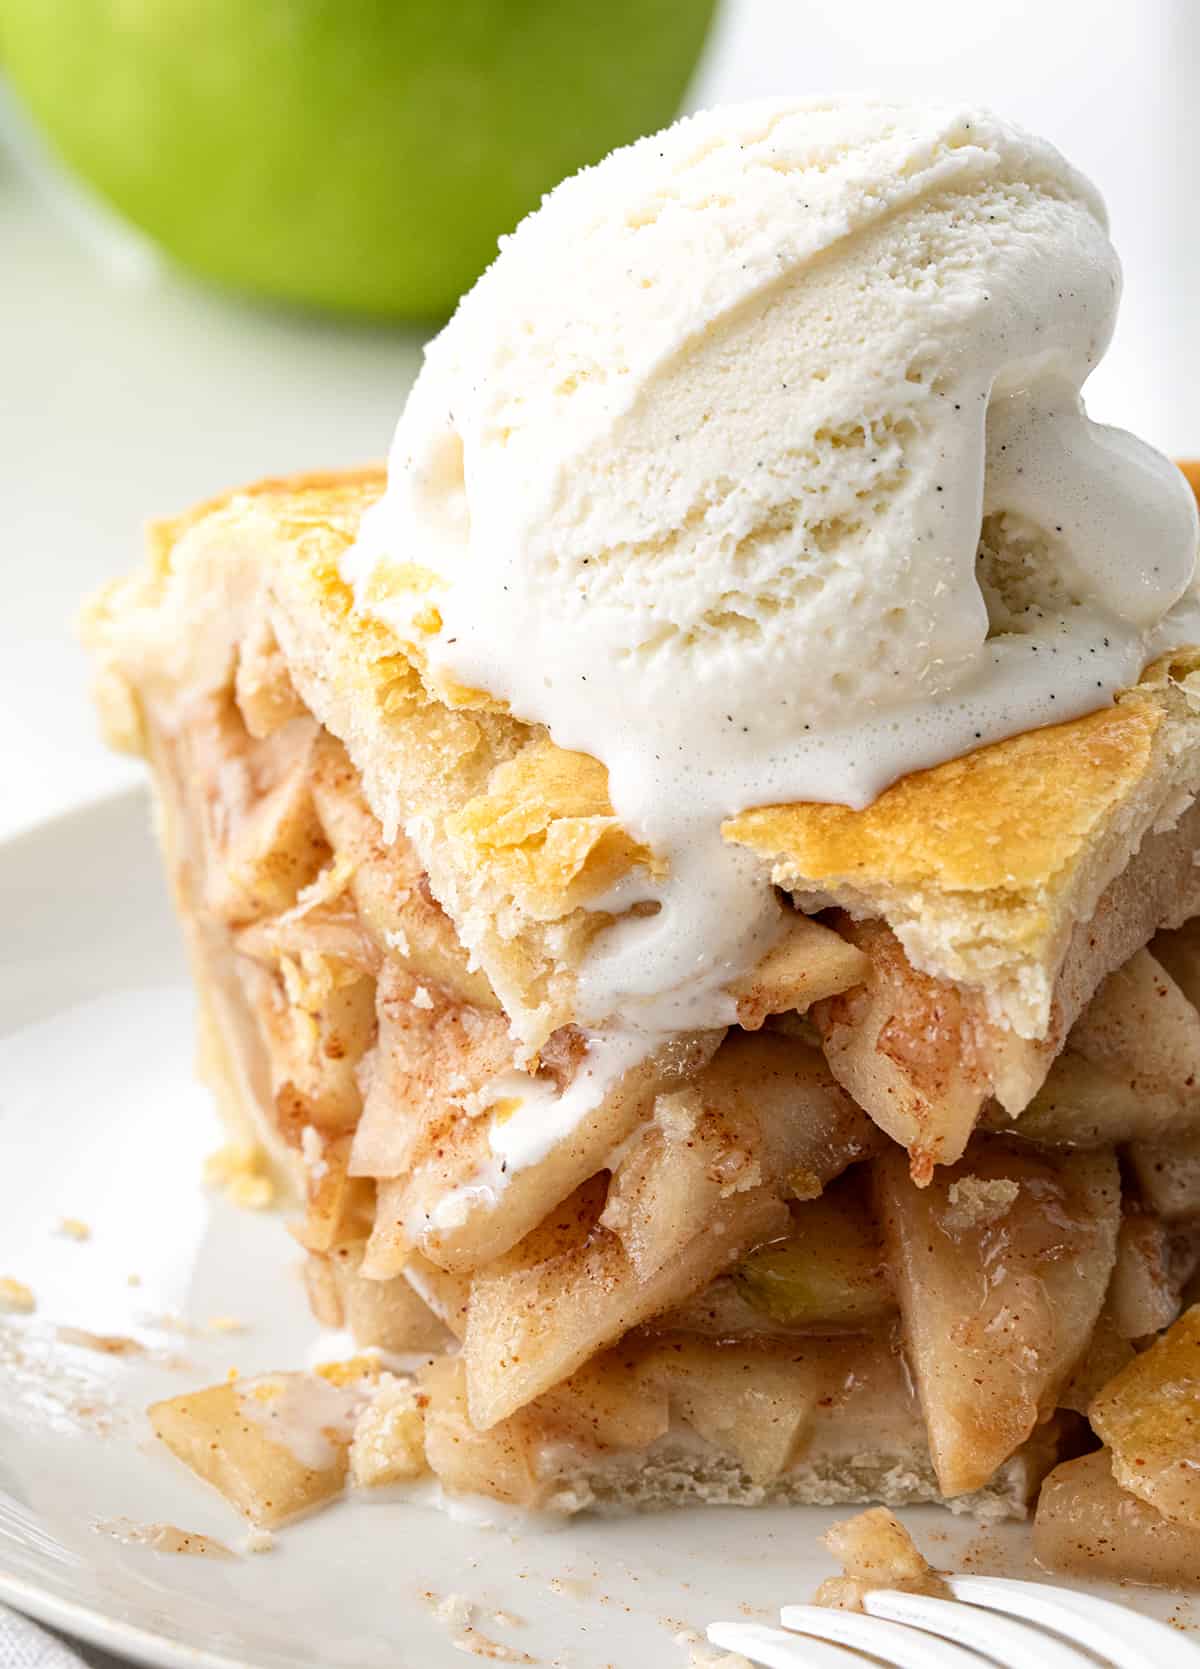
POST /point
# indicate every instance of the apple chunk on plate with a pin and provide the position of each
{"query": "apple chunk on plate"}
(274, 1447)
(1001, 1265)
(1087, 1525)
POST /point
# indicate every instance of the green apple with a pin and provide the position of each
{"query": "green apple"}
(355, 154)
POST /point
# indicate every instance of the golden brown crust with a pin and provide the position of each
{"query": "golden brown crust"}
(1004, 818)
(979, 864)
(333, 489)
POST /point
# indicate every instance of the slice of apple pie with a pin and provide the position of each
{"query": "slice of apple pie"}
(879, 1234)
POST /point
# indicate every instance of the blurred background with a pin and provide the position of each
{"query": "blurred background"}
(226, 229)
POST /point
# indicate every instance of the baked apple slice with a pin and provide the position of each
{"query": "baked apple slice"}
(1130, 1069)
(1087, 1525)
(899, 1044)
(1168, 1174)
(1001, 1267)
(274, 1446)
(829, 1271)
(571, 1289)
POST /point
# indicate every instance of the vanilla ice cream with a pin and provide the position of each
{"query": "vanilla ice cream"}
(756, 466)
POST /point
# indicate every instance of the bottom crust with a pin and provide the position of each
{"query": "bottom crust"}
(678, 1472)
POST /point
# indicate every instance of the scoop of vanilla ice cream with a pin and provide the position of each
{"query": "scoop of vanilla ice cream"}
(756, 466)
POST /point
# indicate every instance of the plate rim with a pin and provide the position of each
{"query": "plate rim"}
(97, 1628)
(44, 823)
(25, 1595)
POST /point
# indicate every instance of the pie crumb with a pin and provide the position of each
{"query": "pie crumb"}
(253, 1193)
(455, 1610)
(104, 1344)
(703, 1656)
(15, 1297)
(875, 1551)
(240, 1168)
(163, 1538)
(74, 1228)
(975, 1201)
(389, 1438)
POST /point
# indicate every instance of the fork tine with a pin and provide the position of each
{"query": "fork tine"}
(1126, 1638)
(1013, 1644)
(902, 1647)
(776, 1650)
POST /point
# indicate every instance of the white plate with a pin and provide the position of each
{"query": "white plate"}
(100, 1120)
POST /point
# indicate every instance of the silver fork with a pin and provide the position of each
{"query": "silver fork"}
(1015, 1624)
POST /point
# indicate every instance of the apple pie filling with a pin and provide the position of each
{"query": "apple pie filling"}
(721, 1279)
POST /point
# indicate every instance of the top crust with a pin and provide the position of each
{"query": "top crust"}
(1006, 820)
(982, 866)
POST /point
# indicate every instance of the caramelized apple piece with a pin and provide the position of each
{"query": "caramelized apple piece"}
(720, 1311)
(389, 886)
(809, 962)
(753, 1401)
(780, 1094)
(263, 690)
(611, 1403)
(317, 1020)
(1168, 1174)
(674, 1177)
(1131, 1067)
(764, 1110)
(1085, 1105)
(462, 1212)
(321, 1289)
(391, 1315)
(538, 1314)
(263, 837)
(614, 1401)
(433, 1053)
(1001, 1266)
(905, 1046)
(500, 1463)
(321, 926)
(1139, 1021)
(1143, 1294)
(1149, 1416)
(1178, 951)
(445, 1294)
(274, 1446)
(829, 1271)
(703, 1184)
(1087, 1525)
(339, 1206)
(1106, 1354)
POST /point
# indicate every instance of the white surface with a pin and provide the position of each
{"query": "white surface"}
(127, 392)
(99, 1119)
(122, 397)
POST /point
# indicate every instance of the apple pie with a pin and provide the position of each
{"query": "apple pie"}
(883, 1237)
